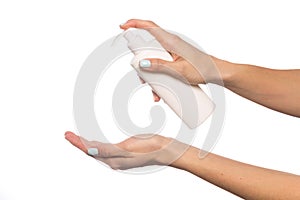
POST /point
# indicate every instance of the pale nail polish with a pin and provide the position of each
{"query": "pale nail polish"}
(122, 24)
(93, 151)
(145, 63)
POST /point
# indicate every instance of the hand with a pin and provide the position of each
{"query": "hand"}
(189, 63)
(138, 151)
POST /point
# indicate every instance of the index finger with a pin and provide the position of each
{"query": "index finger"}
(104, 150)
(138, 23)
(170, 42)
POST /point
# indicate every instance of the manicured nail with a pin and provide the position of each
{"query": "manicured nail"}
(93, 151)
(123, 24)
(145, 63)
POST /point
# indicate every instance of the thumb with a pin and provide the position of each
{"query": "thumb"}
(160, 66)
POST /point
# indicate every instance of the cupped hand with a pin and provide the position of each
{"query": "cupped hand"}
(137, 151)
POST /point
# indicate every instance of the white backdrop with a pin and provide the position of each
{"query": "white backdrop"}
(42, 47)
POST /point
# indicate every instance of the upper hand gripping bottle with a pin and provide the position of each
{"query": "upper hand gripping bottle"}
(190, 103)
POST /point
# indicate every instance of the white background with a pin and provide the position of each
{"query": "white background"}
(42, 47)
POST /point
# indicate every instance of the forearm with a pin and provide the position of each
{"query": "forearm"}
(275, 89)
(246, 181)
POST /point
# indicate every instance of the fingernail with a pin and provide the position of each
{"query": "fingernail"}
(93, 151)
(145, 63)
(122, 24)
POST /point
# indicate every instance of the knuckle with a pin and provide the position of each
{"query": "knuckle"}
(174, 38)
(158, 65)
(149, 21)
(125, 146)
(103, 152)
(171, 41)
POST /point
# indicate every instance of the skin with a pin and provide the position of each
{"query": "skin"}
(275, 89)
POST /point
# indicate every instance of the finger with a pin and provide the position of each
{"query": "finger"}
(75, 140)
(156, 98)
(106, 150)
(94, 148)
(138, 23)
(162, 66)
(153, 64)
(142, 80)
(118, 163)
(166, 39)
(127, 163)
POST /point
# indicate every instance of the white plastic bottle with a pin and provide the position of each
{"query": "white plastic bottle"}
(190, 103)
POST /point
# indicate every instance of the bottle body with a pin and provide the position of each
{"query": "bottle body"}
(190, 103)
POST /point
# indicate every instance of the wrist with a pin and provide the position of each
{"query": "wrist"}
(186, 159)
(225, 72)
(173, 153)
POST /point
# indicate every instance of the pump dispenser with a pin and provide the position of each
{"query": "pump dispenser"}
(190, 103)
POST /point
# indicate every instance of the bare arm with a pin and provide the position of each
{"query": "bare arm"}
(244, 180)
(275, 89)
